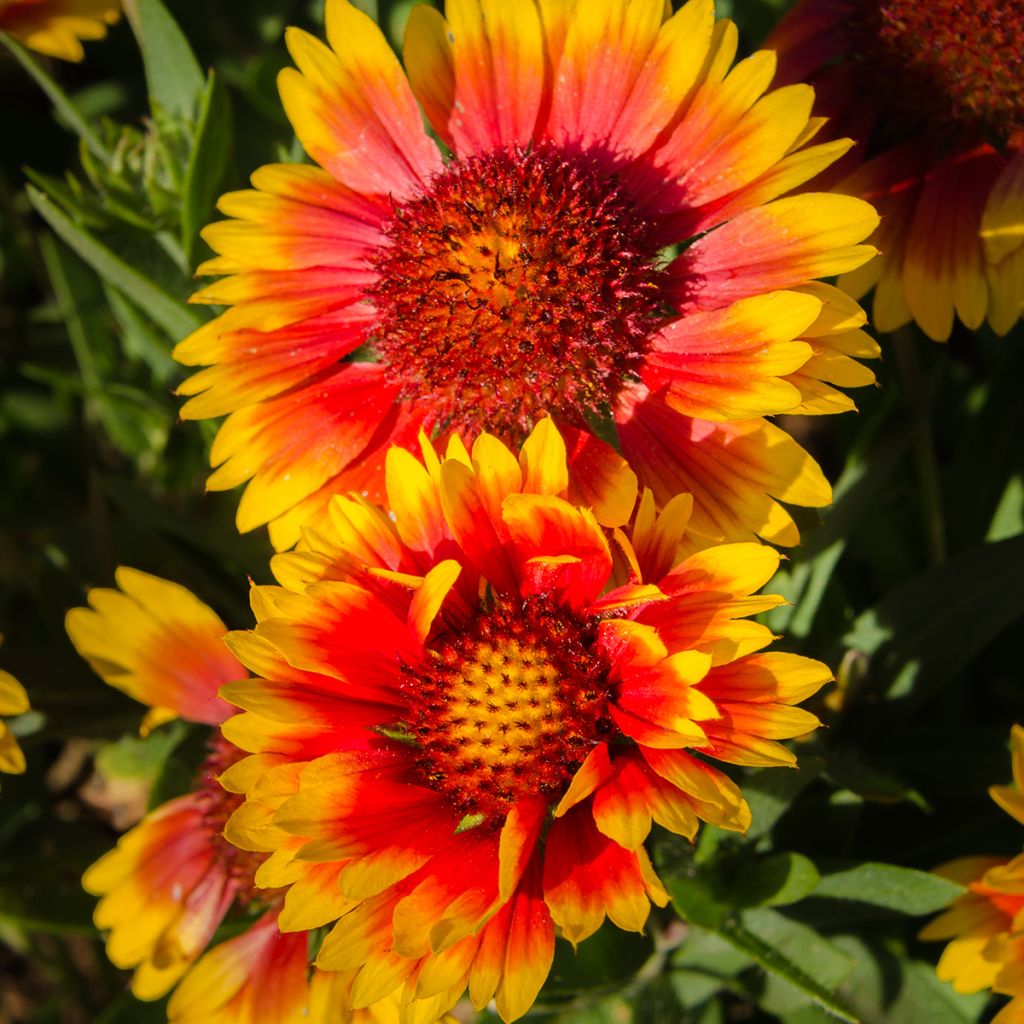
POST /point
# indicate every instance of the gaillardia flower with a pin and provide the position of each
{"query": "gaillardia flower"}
(598, 237)
(986, 924)
(13, 701)
(57, 27)
(468, 712)
(174, 878)
(935, 95)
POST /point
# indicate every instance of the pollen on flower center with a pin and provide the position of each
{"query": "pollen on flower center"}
(510, 707)
(946, 64)
(217, 805)
(521, 283)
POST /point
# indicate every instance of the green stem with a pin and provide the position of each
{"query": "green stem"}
(58, 98)
(916, 391)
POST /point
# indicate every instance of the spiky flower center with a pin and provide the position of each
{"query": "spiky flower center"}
(510, 707)
(217, 805)
(522, 283)
(945, 64)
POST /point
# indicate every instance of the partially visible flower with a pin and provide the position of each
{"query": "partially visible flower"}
(607, 246)
(57, 27)
(258, 977)
(469, 711)
(171, 881)
(933, 92)
(986, 924)
(160, 644)
(13, 701)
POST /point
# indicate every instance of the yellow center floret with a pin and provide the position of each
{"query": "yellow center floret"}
(509, 708)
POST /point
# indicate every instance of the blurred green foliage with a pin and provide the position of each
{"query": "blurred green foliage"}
(912, 593)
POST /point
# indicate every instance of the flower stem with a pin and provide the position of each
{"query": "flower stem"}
(917, 395)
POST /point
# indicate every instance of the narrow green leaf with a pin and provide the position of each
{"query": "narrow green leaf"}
(902, 890)
(922, 634)
(813, 564)
(58, 97)
(796, 954)
(207, 162)
(173, 74)
(173, 316)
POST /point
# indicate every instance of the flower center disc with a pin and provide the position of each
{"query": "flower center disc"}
(511, 707)
(946, 63)
(521, 283)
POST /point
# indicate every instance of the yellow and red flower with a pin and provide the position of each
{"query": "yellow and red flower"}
(57, 27)
(171, 880)
(469, 710)
(934, 94)
(607, 246)
(986, 924)
(13, 701)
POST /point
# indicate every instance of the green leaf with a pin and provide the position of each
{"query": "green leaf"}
(180, 768)
(62, 102)
(814, 563)
(770, 793)
(140, 758)
(903, 890)
(693, 897)
(885, 987)
(207, 162)
(773, 881)
(173, 316)
(173, 75)
(604, 961)
(794, 953)
(922, 634)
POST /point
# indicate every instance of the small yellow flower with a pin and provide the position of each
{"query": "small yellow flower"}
(13, 701)
(986, 924)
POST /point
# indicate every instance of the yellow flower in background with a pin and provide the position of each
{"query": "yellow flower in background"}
(467, 714)
(933, 93)
(986, 924)
(13, 701)
(607, 246)
(57, 27)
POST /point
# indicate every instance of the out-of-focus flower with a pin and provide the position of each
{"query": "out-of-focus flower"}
(986, 924)
(606, 246)
(471, 709)
(13, 701)
(157, 642)
(57, 27)
(934, 93)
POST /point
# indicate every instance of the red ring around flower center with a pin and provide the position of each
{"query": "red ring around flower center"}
(522, 283)
(217, 805)
(945, 64)
(510, 707)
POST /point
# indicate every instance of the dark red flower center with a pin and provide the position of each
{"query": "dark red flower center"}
(510, 707)
(522, 283)
(945, 64)
(217, 805)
